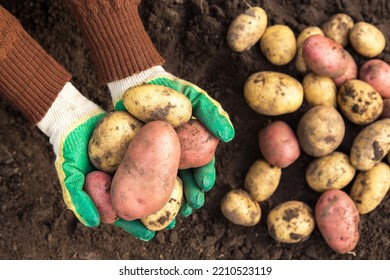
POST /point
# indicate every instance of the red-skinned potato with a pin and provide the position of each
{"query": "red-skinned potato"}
(278, 144)
(350, 73)
(324, 56)
(97, 186)
(197, 143)
(338, 220)
(376, 72)
(144, 180)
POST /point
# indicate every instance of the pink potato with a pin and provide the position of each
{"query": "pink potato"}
(278, 144)
(145, 178)
(197, 143)
(376, 72)
(97, 186)
(350, 73)
(338, 220)
(324, 56)
(386, 109)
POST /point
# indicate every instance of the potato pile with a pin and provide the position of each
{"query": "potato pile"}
(336, 91)
(138, 152)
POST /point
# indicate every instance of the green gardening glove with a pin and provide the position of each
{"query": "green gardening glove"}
(69, 123)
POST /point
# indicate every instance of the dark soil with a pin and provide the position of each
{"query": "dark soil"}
(191, 36)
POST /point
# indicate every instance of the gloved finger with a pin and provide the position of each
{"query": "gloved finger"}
(204, 108)
(205, 176)
(171, 225)
(193, 194)
(135, 228)
(185, 209)
(119, 106)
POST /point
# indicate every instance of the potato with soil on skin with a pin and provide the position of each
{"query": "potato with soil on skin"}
(359, 102)
(145, 178)
(319, 90)
(198, 144)
(291, 222)
(240, 208)
(320, 131)
(278, 44)
(367, 39)
(163, 217)
(376, 72)
(262, 179)
(273, 93)
(278, 144)
(370, 187)
(338, 220)
(98, 185)
(324, 56)
(246, 29)
(371, 145)
(333, 171)
(300, 63)
(350, 73)
(110, 139)
(338, 27)
(155, 102)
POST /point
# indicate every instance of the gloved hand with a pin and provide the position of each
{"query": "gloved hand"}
(208, 111)
(69, 123)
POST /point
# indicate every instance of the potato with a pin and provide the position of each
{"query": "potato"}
(366, 39)
(371, 187)
(324, 56)
(338, 220)
(163, 217)
(319, 90)
(291, 222)
(300, 63)
(197, 144)
(278, 144)
(145, 178)
(110, 139)
(338, 27)
(155, 102)
(376, 72)
(240, 208)
(371, 145)
(333, 171)
(350, 73)
(273, 93)
(386, 109)
(262, 179)
(246, 29)
(98, 185)
(320, 131)
(359, 102)
(278, 44)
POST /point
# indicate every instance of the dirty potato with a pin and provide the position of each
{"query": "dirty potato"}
(338, 27)
(376, 72)
(367, 39)
(262, 179)
(319, 90)
(300, 63)
(110, 139)
(291, 222)
(246, 29)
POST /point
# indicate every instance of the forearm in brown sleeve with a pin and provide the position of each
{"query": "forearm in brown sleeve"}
(29, 77)
(116, 37)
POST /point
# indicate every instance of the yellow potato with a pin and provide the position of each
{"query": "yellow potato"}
(333, 171)
(246, 29)
(162, 218)
(240, 208)
(273, 93)
(155, 102)
(110, 139)
(371, 187)
(338, 27)
(359, 102)
(291, 222)
(262, 180)
(319, 90)
(371, 145)
(300, 63)
(367, 39)
(278, 44)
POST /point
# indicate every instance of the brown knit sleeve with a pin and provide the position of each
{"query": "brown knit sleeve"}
(29, 77)
(116, 37)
